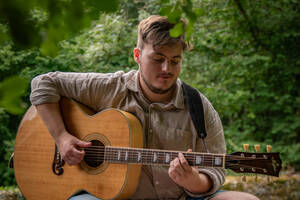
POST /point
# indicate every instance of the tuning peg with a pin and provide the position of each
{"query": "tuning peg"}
(257, 148)
(246, 147)
(268, 148)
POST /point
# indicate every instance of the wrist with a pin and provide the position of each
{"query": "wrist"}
(202, 183)
(61, 136)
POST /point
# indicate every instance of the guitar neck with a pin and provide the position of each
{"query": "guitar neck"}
(160, 157)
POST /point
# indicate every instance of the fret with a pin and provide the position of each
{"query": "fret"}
(212, 160)
(152, 157)
(174, 155)
(190, 157)
(144, 156)
(160, 157)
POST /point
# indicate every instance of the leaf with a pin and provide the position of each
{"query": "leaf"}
(189, 30)
(177, 30)
(174, 16)
(164, 11)
(11, 90)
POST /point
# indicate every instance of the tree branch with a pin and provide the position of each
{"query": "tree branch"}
(253, 31)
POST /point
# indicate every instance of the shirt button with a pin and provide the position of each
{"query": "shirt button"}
(156, 182)
(150, 130)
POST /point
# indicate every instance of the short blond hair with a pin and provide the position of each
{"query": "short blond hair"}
(155, 30)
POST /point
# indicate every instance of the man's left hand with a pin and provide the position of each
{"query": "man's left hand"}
(188, 177)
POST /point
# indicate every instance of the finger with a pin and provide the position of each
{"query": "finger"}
(78, 153)
(193, 167)
(178, 167)
(73, 153)
(83, 144)
(73, 161)
(173, 173)
(76, 156)
(184, 163)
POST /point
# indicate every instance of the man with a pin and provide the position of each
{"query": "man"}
(153, 94)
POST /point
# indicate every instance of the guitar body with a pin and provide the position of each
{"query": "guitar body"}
(35, 154)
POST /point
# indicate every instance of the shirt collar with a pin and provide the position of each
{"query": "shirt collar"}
(132, 83)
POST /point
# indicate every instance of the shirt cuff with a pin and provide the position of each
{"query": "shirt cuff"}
(216, 183)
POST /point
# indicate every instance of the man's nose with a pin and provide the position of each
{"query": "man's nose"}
(165, 66)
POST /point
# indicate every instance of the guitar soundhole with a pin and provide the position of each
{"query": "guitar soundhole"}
(94, 155)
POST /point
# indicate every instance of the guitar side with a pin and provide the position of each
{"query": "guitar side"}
(35, 149)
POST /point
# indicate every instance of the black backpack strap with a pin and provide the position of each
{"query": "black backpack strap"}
(195, 106)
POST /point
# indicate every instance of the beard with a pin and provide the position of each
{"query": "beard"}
(154, 89)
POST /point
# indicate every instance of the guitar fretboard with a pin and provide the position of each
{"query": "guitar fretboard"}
(160, 157)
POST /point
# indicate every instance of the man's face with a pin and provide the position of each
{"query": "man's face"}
(159, 67)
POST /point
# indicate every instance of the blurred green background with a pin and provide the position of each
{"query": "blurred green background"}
(245, 60)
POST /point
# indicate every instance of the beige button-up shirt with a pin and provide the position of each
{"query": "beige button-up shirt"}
(165, 126)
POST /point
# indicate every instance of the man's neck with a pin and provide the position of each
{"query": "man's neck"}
(154, 97)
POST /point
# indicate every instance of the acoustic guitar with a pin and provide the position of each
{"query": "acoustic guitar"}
(112, 165)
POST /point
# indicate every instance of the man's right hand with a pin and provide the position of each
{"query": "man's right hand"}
(71, 148)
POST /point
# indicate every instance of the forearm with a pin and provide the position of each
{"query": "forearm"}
(51, 116)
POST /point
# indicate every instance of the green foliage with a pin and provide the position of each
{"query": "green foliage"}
(6, 148)
(10, 94)
(45, 23)
(94, 50)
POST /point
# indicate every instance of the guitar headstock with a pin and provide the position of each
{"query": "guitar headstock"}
(258, 163)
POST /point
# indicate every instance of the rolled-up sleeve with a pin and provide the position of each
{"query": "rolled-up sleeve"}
(215, 143)
(87, 88)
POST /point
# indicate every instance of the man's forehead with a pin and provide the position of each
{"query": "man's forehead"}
(173, 51)
(162, 54)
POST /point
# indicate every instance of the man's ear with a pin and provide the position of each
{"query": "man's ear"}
(136, 55)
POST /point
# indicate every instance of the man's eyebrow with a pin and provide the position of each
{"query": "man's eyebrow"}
(158, 53)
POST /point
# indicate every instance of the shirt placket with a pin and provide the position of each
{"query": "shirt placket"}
(150, 128)
(151, 114)
(155, 182)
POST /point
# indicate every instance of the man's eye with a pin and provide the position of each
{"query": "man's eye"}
(174, 62)
(158, 60)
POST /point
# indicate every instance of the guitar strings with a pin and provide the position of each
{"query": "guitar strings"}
(130, 149)
(145, 154)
